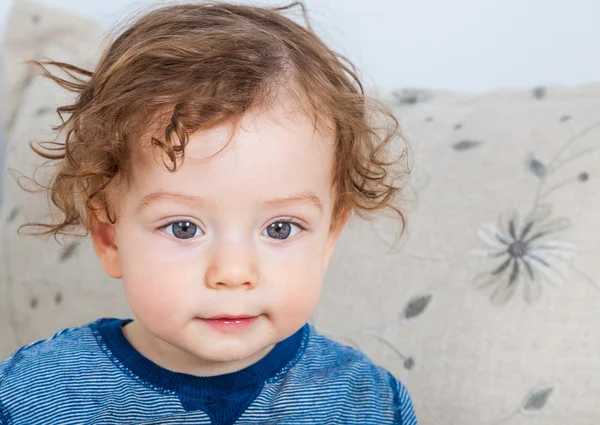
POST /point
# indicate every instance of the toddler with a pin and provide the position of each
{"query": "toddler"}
(213, 156)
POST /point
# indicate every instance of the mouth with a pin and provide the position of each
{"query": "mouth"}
(232, 318)
(230, 324)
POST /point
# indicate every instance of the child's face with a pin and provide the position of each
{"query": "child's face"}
(198, 243)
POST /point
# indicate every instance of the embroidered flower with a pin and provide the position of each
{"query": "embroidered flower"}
(524, 254)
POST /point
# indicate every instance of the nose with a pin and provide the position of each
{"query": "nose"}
(232, 265)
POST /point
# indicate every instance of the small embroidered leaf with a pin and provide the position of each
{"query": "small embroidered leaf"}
(42, 110)
(406, 97)
(537, 168)
(458, 126)
(33, 302)
(583, 176)
(537, 399)
(429, 119)
(464, 145)
(13, 214)
(411, 96)
(68, 251)
(58, 298)
(416, 306)
(539, 92)
(565, 118)
(409, 363)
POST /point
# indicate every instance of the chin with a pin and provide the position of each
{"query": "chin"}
(226, 351)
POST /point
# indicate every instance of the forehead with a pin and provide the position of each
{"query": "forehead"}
(272, 152)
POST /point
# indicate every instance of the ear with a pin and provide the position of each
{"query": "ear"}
(334, 235)
(105, 244)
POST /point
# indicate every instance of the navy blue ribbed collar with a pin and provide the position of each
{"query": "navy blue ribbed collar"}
(209, 388)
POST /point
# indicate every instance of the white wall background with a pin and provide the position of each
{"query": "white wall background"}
(468, 45)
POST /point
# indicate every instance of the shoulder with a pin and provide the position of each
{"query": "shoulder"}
(61, 349)
(342, 362)
(49, 366)
(347, 376)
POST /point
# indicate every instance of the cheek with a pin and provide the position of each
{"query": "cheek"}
(296, 287)
(298, 301)
(155, 282)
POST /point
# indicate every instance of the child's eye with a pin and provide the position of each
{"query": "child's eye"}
(182, 229)
(282, 230)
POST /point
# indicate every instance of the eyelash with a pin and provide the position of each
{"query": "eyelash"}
(289, 220)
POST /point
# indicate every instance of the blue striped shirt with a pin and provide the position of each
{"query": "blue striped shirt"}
(92, 375)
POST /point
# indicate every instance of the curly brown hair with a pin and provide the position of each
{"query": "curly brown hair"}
(188, 67)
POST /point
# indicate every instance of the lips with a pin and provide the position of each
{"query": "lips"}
(231, 324)
(230, 317)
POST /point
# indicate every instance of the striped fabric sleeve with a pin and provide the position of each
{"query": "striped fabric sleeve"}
(3, 420)
(403, 406)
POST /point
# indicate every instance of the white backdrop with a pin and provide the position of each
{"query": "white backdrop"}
(469, 45)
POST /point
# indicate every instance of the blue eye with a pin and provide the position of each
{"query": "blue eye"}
(279, 230)
(282, 230)
(182, 229)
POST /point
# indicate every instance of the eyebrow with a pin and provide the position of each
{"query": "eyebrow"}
(308, 198)
(302, 198)
(157, 196)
